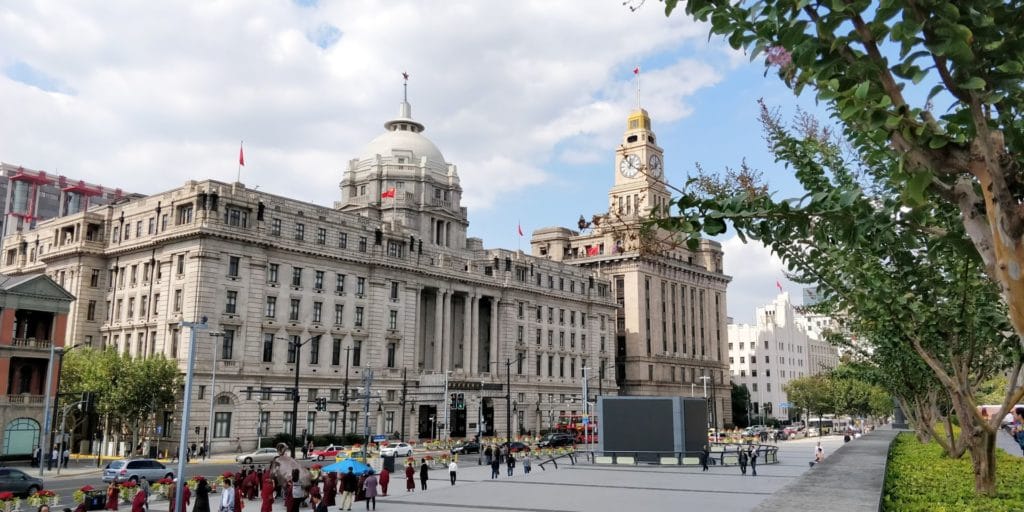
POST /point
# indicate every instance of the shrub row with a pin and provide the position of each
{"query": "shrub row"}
(920, 478)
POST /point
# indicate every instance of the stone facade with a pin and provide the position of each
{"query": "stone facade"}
(670, 330)
(387, 279)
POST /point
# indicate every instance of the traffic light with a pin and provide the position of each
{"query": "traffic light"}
(455, 401)
(321, 404)
(461, 402)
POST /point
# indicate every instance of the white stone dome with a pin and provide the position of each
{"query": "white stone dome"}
(403, 136)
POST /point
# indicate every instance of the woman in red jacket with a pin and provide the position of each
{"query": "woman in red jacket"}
(267, 494)
(410, 478)
(112, 496)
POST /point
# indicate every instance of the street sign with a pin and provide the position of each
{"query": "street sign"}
(586, 420)
(379, 437)
(159, 430)
(785, 405)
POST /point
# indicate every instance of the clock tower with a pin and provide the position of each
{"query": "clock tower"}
(639, 170)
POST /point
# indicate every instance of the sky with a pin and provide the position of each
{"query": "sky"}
(528, 99)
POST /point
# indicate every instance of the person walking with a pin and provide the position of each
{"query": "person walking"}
(410, 478)
(267, 494)
(202, 496)
(510, 461)
(144, 487)
(705, 454)
(172, 497)
(330, 489)
(452, 469)
(297, 492)
(37, 457)
(348, 489)
(318, 503)
(227, 497)
(65, 457)
(424, 469)
(819, 454)
(753, 459)
(370, 489)
(487, 454)
(112, 496)
(743, 457)
(526, 463)
(139, 501)
(495, 466)
(385, 479)
(54, 459)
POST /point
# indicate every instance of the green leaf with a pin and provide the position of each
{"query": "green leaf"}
(861, 91)
(913, 194)
(714, 226)
(974, 83)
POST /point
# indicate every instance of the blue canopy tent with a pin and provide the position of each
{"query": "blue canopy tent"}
(342, 467)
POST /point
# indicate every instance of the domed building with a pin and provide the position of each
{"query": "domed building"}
(394, 319)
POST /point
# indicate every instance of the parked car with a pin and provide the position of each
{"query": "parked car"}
(396, 450)
(329, 452)
(516, 446)
(133, 469)
(556, 439)
(19, 482)
(467, 447)
(261, 456)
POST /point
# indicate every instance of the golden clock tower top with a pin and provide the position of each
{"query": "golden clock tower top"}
(639, 185)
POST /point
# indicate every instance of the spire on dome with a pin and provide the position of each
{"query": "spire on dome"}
(404, 120)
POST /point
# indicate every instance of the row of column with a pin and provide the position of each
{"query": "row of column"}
(442, 232)
(445, 349)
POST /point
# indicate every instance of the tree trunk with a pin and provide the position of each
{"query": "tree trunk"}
(978, 437)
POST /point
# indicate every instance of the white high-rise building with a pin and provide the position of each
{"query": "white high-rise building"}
(782, 345)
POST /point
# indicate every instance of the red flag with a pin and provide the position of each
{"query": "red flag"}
(593, 250)
(241, 156)
(520, 226)
(388, 193)
(636, 70)
(405, 75)
(778, 285)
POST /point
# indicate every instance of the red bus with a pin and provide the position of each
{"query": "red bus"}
(574, 424)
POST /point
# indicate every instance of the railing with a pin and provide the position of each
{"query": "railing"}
(721, 454)
(22, 399)
(31, 343)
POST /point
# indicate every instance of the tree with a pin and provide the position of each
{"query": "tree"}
(740, 403)
(813, 394)
(870, 63)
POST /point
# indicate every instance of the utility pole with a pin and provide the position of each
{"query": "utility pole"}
(295, 390)
(44, 451)
(344, 399)
(405, 388)
(213, 392)
(185, 410)
(367, 382)
(705, 378)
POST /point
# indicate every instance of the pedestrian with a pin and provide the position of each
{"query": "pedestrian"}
(330, 489)
(144, 487)
(172, 496)
(487, 454)
(139, 501)
(705, 454)
(37, 457)
(510, 461)
(238, 445)
(65, 457)
(297, 492)
(743, 459)
(192, 451)
(318, 504)
(495, 466)
(202, 496)
(305, 451)
(370, 489)
(753, 459)
(348, 489)
(410, 475)
(112, 496)
(819, 454)
(239, 497)
(452, 468)
(385, 478)
(267, 494)
(227, 497)
(423, 474)
(526, 463)
(54, 459)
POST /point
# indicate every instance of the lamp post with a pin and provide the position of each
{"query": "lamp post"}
(186, 406)
(213, 392)
(344, 399)
(259, 425)
(44, 451)
(704, 379)
(508, 393)
(295, 391)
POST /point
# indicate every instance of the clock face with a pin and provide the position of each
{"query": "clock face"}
(654, 164)
(629, 166)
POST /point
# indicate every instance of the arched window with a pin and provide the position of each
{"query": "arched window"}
(21, 436)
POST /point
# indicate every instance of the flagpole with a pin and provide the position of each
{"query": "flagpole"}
(638, 87)
(238, 176)
(519, 231)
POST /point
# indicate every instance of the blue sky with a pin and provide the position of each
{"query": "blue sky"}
(528, 99)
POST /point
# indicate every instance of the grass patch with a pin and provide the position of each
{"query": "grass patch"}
(920, 478)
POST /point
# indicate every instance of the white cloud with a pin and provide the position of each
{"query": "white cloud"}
(755, 272)
(162, 92)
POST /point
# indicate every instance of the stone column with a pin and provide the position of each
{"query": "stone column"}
(474, 334)
(495, 354)
(467, 328)
(446, 330)
(438, 326)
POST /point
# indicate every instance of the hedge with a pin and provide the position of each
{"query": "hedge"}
(921, 478)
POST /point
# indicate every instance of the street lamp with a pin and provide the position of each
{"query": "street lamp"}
(508, 393)
(213, 392)
(56, 399)
(704, 379)
(295, 392)
(185, 409)
(259, 426)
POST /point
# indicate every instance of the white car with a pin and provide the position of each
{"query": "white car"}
(396, 450)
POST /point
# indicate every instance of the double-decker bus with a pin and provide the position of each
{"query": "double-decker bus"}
(573, 424)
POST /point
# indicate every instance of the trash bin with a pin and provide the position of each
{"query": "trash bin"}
(95, 500)
(389, 463)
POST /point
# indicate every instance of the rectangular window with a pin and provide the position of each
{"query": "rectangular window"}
(271, 309)
(227, 344)
(391, 355)
(300, 231)
(275, 227)
(343, 240)
(339, 285)
(362, 244)
(94, 278)
(164, 219)
(318, 280)
(336, 352)
(357, 352)
(185, 214)
(359, 316)
(318, 308)
(272, 273)
(222, 424)
(293, 310)
(297, 277)
(360, 286)
(231, 303)
(392, 319)
(321, 236)
(152, 225)
(131, 307)
(332, 422)
(268, 350)
(314, 351)
(519, 334)
(293, 348)
(394, 291)
(90, 312)
(177, 301)
(264, 424)
(237, 217)
(288, 420)
(233, 264)
(339, 314)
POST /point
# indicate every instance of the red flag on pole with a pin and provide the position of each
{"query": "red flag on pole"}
(388, 193)
(636, 70)
(778, 285)
(520, 228)
(241, 156)
(593, 250)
